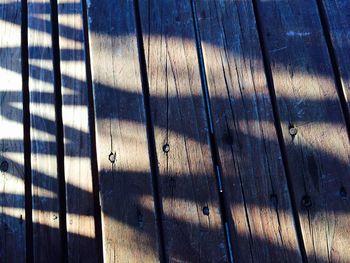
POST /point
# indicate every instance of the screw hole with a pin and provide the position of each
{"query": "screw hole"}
(306, 201)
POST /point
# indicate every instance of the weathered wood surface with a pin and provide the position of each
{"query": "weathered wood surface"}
(128, 215)
(81, 238)
(299, 62)
(313, 127)
(254, 180)
(193, 231)
(45, 190)
(12, 199)
(338, 18)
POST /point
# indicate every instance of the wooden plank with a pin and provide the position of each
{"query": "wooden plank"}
(81, 238)
(254, 180)
(128, 215)
(193, 229)
(45, 202)
(338, 19)
(12, 199)
(312, 123)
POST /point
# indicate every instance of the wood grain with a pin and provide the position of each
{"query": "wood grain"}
(12, 199)
(81, 238)
(126, 193)
(254, 180)
(193, 229)
(312, 123)
(45, 191)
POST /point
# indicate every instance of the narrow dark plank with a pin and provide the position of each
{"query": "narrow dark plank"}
(312, 123)
(338, 20)
(254, 180)
(193, 230)
(45, 191)
(12, 198)
(127, 203)
(81, 238)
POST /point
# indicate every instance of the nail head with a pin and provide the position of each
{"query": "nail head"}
(343, 193)
(274, 200)
(4, 166)
(206, 210)
(166, 148)
(293, 130)
(228, 139)
(112, 157)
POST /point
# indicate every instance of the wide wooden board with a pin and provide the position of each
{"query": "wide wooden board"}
(129, 226)
(314, 131)
(12, 196)
(193, 231)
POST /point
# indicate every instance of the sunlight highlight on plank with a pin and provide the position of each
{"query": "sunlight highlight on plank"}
(8, 41)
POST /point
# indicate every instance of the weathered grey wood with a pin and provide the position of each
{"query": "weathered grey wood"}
(81, 237)
(45, 202)
(338, 18)
(187, 182)
(128, 216)
(254, 181)
(313, 127)
(12, 199)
